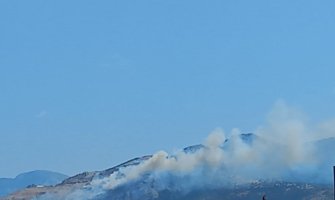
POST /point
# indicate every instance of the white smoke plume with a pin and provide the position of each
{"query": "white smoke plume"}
(181, 162)
(279, 147)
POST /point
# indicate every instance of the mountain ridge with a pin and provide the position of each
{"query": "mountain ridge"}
(35, 177)
(146, 185)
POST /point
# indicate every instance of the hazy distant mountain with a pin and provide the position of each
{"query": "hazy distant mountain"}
(150, 187)
(38, 177)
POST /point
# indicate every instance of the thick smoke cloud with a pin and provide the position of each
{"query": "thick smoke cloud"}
(181, 163)
(278, 148)
(283, 148)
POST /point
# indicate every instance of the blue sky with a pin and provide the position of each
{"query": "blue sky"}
(88, 84)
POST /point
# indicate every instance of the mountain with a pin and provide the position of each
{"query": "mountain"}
(37, 178)
(169, 186)
(273, 190)
(141, 189)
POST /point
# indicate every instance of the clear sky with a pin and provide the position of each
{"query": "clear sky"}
(85, 85)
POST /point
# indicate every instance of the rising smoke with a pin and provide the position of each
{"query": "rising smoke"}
(278, 148)
(282, 149)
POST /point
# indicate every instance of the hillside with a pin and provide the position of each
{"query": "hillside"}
(144, 178)
(38, 177)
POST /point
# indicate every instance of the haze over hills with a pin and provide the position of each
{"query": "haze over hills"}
(120, 95)
(201, 171)
(38, 177)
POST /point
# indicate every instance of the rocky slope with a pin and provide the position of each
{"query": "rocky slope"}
(83, 186)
